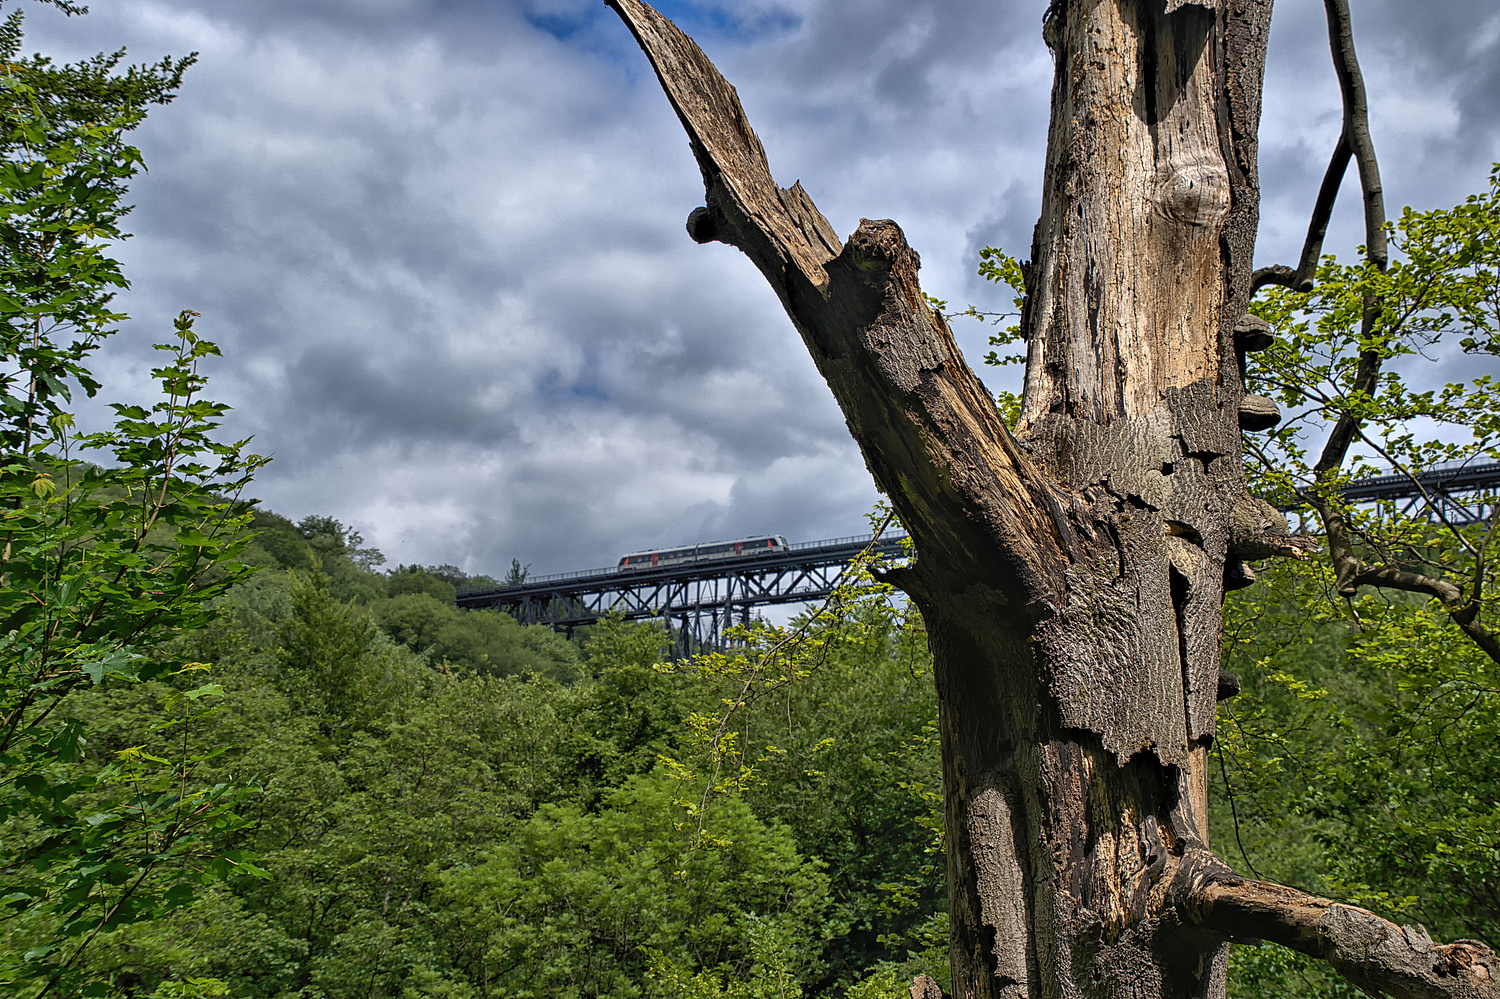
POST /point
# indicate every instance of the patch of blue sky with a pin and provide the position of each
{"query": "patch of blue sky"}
(565, 20)
(696, 17)
(572, 22)
(554, 388)
(564, 25)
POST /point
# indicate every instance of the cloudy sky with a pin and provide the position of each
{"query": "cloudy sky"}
(441, 243)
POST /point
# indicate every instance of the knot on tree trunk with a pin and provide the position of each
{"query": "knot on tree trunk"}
(1259, 530)
(879, 253)
(704, 225)
(923, 987)
(1465, 957)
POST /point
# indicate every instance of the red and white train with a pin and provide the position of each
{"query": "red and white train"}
(711, 552)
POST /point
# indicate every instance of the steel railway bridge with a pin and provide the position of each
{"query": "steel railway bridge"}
(700, 600)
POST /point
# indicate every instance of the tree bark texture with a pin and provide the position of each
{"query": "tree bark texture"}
(1071, 575)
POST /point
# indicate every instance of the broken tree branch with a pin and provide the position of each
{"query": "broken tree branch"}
(890, 360)
(1373, 953)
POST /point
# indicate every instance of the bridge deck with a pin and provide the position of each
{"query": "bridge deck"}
(809, 554)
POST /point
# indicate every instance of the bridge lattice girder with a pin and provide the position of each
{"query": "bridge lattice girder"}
(699, 601)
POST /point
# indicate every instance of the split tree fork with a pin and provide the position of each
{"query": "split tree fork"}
(1071, 574)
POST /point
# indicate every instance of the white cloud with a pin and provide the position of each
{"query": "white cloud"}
(441, 243)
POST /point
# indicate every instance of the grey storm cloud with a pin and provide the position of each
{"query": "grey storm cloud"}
(441, 244)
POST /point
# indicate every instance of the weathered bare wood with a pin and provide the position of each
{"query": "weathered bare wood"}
(1378, 956)
(928, 427)
(1357, 126)
(1354, 141)
(1075, 621)
(1273, 274)
(925, 988)
(1070, 577)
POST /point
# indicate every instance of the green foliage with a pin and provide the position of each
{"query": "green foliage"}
(462, 581)
(361, 810)
(517, 574)
(1360, 760)
(484, 641)
(1271, 972)
(63, 169)
(334, 661)
(101, 565)
(769, 979)
(192, 988)
(566, 905)
(328, 537)
(385, 781)
(851, 764)
(1441, 292)
(997, 266)
(762, 660)
(354, 822)
(415, 579)
(827, 726)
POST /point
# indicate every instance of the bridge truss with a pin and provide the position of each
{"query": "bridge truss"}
(1459, 494)
(701, 600)
(698, 602)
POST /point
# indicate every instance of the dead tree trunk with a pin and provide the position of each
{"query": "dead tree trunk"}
(1071, 575)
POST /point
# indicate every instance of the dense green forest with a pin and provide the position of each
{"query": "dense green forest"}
(238, 757)
(446, 803)
(450, 804)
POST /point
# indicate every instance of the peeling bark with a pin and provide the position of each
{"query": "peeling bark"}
(1071, 575)
(1375, 954)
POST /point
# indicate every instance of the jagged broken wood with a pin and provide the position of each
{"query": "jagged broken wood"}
(1070, 575)
(1375, 954)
